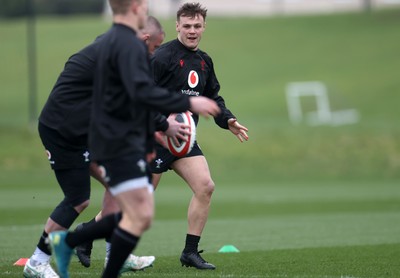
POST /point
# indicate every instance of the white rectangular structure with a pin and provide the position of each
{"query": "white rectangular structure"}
(323, 115)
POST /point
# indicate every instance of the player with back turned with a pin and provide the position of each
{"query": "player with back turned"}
(181, 66)
(121, 136)
(63, 128)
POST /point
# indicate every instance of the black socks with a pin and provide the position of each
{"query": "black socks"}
(122, 245)
(102, 229)
(191, 244)
(42, 245)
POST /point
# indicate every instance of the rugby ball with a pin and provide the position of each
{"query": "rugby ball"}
(184, 147)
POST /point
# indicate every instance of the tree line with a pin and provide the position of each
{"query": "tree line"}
(21, 8)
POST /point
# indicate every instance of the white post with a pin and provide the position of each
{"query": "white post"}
(316, 89)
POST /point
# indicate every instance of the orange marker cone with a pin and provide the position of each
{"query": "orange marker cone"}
(21, 262)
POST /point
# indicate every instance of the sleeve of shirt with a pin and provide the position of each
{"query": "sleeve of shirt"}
(161, 122)
(158, 67)
(136, 76)
(212, 91)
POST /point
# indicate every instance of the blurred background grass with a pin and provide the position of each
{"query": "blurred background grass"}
(354, 54)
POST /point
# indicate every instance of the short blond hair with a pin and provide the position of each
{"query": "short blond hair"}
(121, 6)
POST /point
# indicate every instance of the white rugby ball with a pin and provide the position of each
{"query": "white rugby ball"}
(185, 146)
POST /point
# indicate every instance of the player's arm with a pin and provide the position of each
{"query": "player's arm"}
(225, 119)
(140, 85)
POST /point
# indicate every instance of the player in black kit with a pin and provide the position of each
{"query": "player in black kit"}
(180, 65)
(63, 127)
(121, 136)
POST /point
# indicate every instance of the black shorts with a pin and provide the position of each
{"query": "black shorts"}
(126, 168)
(64, 153)
(164, 159)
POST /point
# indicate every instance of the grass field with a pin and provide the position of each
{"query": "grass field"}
(304, 229)
(297, 201)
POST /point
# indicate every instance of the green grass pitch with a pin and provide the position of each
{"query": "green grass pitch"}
(297, 201)
(340, 229)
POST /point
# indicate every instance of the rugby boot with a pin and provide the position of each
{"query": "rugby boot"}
(84, 251)
(193, 259)
(61, 251)
(134, 263)
(43, 270)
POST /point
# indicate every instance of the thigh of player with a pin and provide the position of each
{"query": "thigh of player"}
(195, 171)
(63, 153)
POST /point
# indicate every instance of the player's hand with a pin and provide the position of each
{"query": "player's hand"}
(237, 129)
(159, 137)
(151, 156)
(177, 130)
(97, 173)
(204, 106)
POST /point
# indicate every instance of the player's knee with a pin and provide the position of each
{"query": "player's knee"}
(142, 220)
(79, 208)
(78, 201)
(209, 187)
(147, 221)
(64, 214)
(206, 189)
(146, 218)
(209, 190)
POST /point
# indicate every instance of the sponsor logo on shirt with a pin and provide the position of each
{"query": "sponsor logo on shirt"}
(193, 79)
(48, 153)
(190, 93)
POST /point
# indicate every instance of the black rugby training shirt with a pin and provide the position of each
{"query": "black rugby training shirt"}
(69, 104)
(124, 95)
(67, 109)
(189, 73)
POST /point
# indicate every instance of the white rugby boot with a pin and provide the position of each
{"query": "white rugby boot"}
(42, 270)
(134, 263)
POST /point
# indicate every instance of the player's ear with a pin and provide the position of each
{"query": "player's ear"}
(134, 6)
(177, 26)
(145, 37)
